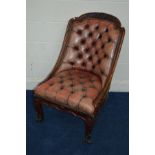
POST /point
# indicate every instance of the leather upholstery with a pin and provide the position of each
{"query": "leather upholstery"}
(75, 89)
(91, 47)
(85, 66)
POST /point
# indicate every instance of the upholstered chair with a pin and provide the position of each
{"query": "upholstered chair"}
(81, 78)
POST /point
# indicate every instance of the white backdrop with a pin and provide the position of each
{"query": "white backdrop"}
(46, 25)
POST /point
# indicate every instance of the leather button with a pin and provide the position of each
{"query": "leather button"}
(71, 85)
(93, 66)
(90, 58)
(93, 43)
(100, 36)
(102, 72)
(83, 41)
(62, 87)
(72, 92)
(102, 46)
(98, 61)
(97, 27)
(90, 34)
(79, 32)
(72, 63)
(106, 30)
(105, 56)
(86, 26)
(80, 56)
(109, 40)
(83, 64)
(96, 52)
(76, 48)
(86, 50)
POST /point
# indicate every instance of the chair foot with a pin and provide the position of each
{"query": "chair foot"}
(87, 139)
(39, 118)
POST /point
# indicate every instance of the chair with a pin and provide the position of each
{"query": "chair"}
(81, 78)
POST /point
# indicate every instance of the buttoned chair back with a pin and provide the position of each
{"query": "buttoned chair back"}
(92, 43)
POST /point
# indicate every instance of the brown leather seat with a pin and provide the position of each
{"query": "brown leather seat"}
(75, 89)
(81, 78)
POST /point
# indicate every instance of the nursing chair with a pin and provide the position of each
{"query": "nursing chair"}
(80, 80)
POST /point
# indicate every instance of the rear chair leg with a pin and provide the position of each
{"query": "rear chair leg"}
(89, 124)
(39, 109)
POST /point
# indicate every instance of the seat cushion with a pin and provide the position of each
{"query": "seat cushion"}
(74, 89)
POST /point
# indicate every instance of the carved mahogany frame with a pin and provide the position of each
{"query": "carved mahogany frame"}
(88, 120)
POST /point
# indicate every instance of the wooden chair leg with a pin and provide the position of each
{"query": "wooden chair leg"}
(39, 109)
(89, 124)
